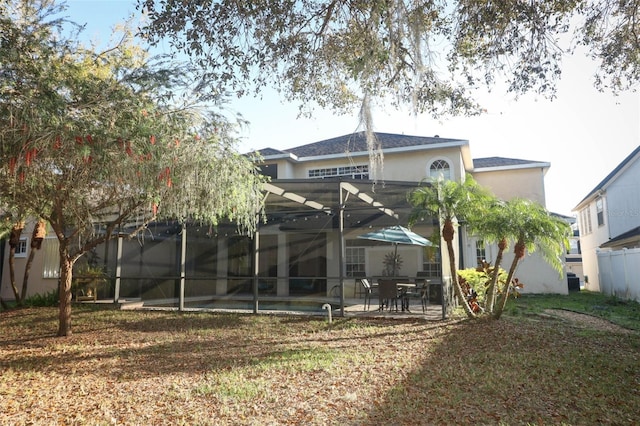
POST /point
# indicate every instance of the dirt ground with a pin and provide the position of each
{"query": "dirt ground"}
(586, 321)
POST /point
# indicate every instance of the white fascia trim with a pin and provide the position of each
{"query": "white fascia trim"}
(285, 156)
(513, 167)
(412, 148)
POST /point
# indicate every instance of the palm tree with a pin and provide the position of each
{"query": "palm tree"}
(488, 222)
(452, 202)
(532, 228)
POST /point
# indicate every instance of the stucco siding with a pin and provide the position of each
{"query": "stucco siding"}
(536, 275)
(508, 184)
(37, 284)
(401, 165)
(623, 201)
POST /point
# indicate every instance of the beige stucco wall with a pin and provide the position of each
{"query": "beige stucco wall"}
(37, 284)
(536, 275)
(507, 184)
(590, 242)
(401, 166)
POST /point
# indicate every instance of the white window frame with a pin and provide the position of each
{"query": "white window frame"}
(481, 252)
(355, 256)
(585, 221)
(353, 172)
(600, 211)
(22, 248)
(434, 173)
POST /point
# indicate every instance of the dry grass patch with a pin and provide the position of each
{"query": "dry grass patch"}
(202, 368)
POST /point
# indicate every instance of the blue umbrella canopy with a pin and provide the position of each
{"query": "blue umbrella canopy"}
(397, 235)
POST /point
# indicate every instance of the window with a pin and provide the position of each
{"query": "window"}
(355, 261)
(270, 170)
(440, 168)
(353, 172)
(432, 264)
(585, 221)
(600, 211)
(481, 252)
(21, 248)
(51, 258)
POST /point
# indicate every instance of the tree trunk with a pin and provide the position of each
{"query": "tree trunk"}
(490, 296)
(14, 240)
(39, 232)
(25, 277)
(448, 233)
(64, 287)
(12, 274)
(519, 254)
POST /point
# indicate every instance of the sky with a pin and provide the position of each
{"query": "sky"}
(584, 134)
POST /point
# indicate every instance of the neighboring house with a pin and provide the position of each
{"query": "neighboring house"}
(609, 219)
(320, 199)
(573, 259)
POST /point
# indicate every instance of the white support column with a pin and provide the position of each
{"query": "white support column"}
(116, 295)
(183, 265)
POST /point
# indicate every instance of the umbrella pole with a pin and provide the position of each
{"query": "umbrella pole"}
(395, 260)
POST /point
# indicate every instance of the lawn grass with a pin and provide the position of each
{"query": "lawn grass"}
(622, 312)
(152, 367)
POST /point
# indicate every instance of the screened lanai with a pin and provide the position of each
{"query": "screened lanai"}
(305, 254)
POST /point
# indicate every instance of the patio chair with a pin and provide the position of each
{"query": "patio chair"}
(366, 289)
(387, 294)
(424, 297)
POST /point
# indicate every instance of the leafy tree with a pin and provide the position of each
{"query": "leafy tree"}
(424, 53)
(91, 141)
(452, 202)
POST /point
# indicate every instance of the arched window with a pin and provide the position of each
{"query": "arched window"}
(438, 168)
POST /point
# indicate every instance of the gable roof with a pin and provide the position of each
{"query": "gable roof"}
(357, 143)
(610, 177)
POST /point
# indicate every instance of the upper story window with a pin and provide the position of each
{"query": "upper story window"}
(600, 211)
(353, 172)
(585, 221)
(440, 168)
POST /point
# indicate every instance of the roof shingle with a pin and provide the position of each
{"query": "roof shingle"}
(356, 142)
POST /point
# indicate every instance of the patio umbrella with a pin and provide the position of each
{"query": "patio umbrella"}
(397, 235)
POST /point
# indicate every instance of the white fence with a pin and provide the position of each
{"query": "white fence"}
(620, 273)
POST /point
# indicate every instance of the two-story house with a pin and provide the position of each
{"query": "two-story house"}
(320, 199)
(609, 219)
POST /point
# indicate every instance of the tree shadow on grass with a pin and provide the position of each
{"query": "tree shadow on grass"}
(524, 372)
(144, 344)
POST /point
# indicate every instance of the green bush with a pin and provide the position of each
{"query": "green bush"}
(479, 280)
(41, 300)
